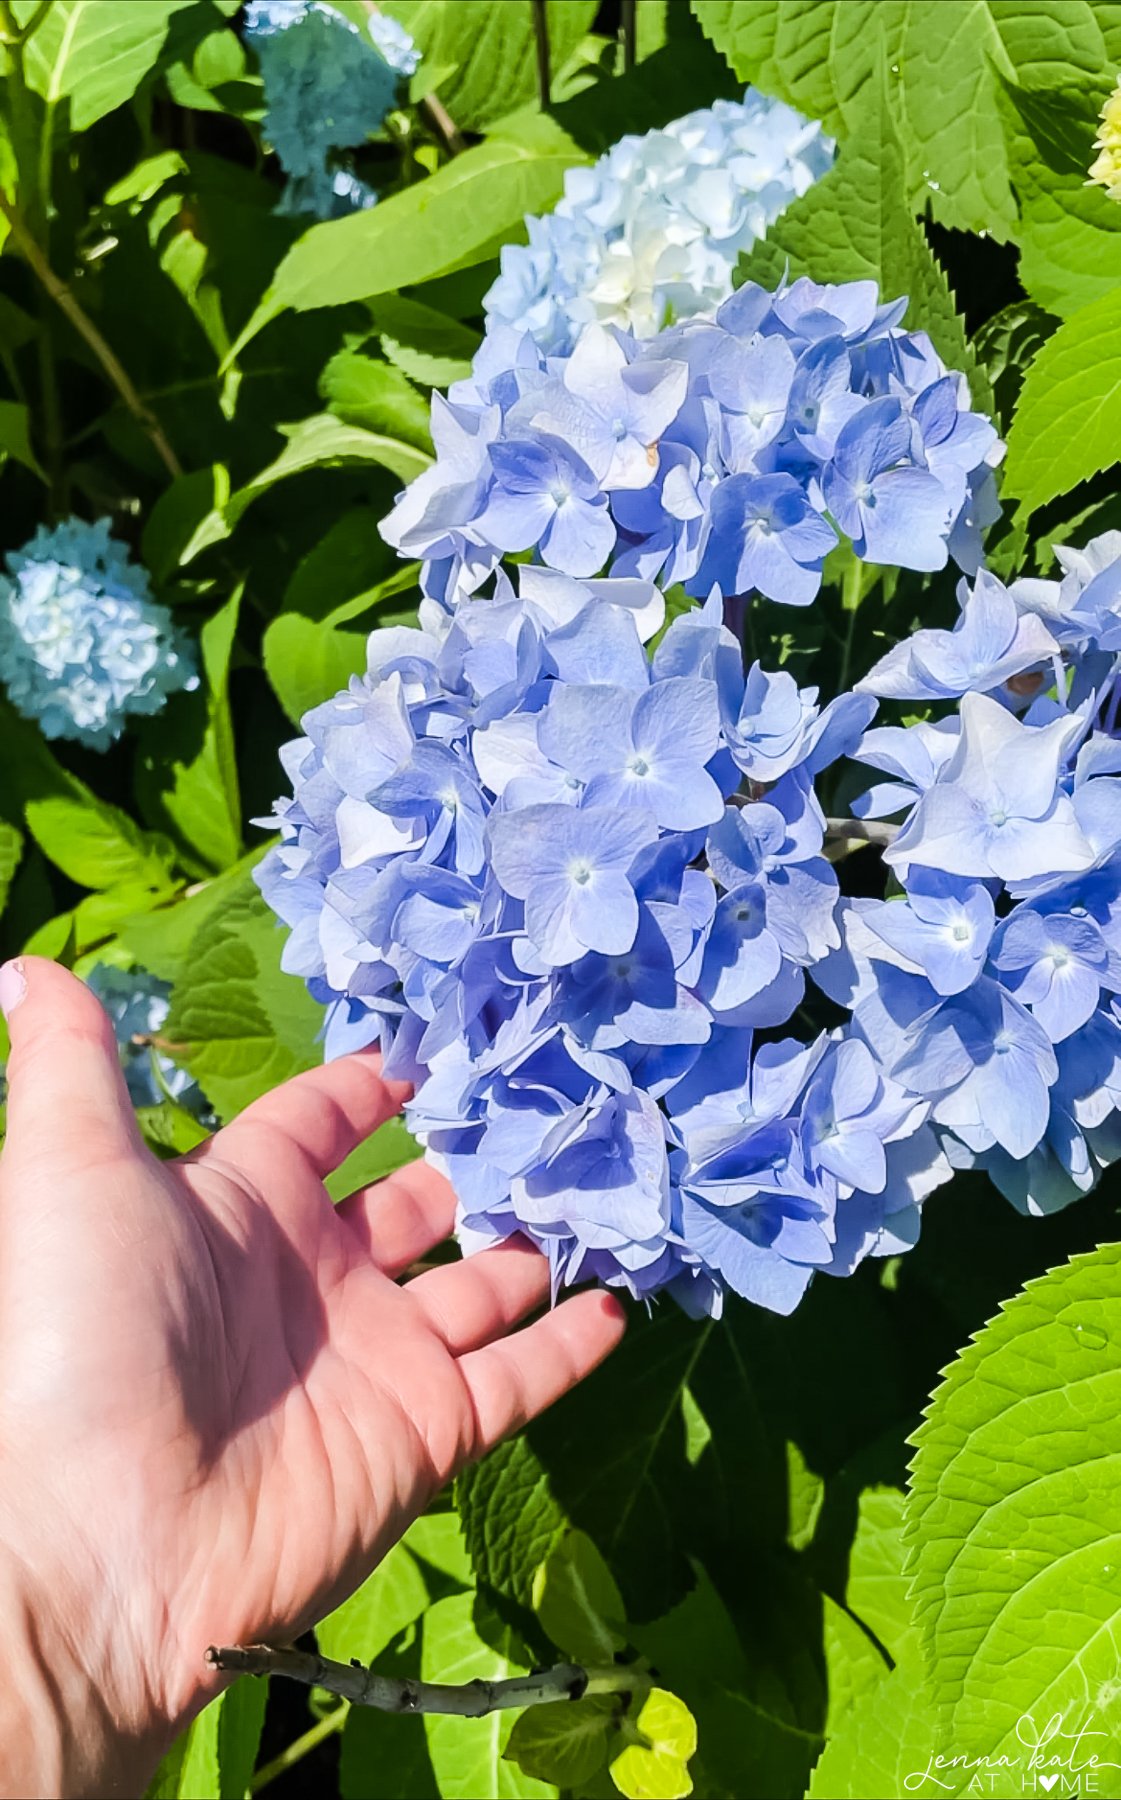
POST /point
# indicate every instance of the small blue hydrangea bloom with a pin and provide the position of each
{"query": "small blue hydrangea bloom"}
(328, 87)
(83, 646)
(138, 1005)
(652, 232)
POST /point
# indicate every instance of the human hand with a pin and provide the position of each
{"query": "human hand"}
(218, 1407)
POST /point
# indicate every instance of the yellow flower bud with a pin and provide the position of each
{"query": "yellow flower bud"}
(1105, 170)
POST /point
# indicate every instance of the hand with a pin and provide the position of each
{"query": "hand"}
(218, 1407)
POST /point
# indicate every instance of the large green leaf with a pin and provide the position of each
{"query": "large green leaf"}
(511, 1521)
(468, 1755)
(11, 849)
(1014, 1514)
(784, 46)
(885, 1745)
(376, 395)
(457, 217)
(388, 1600)
(323, 441)
(243, 1026)
(390, 1148)
(308, 660)
(486, 50)
(15, 437)
(425, 344)
(855, 224)
(214, 1758)
(94, 52)
(188, 769)
(1069, 232)
(1065, 430)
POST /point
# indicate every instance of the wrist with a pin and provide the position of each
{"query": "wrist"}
(67, 1727)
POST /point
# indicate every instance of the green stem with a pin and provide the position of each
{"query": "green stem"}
(852, 593)
(541, 38)
(301, 1747)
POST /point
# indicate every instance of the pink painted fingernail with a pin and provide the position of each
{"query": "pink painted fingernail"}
(13, 986)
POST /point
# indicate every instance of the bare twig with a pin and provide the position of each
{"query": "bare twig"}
(541, 36)
(84, 325)
(474, 1699)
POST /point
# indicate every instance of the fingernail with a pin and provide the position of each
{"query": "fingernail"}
(13, 987)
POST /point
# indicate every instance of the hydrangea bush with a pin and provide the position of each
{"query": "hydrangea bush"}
(678, 526)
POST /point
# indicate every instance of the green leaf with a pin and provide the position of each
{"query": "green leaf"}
(510, 1519)
(383, 1757)
(468, 1756)
(390, 1148)
(1014, 1513)
(388, 1600)
(877, 1587)
(170, 1130)
(782, 45)
(379, 397)
(96, 845)
(187, 774)
(489, 49)
(351, 559)
(323, 442)
(308, 660)
(187, 518)
(577, 1601)
(458, 217)
(160, 939)
(437, 1539)
(95, 54)
(854, 1666)
(855, 225)
(889, 1735)
(657, 1767)
(214, 1759)
(566, 1744)
(425, 344)
(1006, 345)
(1064, 430)
(243, 1025)
(15, 440)
(11, 849)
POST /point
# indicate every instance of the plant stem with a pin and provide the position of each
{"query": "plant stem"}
(541, 36)
(472, 1700)
(84, 325)
(301, 1747)
(629, 33)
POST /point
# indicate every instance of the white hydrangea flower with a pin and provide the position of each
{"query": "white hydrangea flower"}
(651, 233)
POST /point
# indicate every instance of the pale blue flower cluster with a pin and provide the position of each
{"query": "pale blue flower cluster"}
(652, 232)
(328, 86)
(138, 1005)
(989, 988)
(566, 885)
(83, 646)
(731, 452)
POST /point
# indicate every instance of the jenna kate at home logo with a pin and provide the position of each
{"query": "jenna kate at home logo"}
(1059, 1759)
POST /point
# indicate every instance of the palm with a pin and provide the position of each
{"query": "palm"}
(257, 1408)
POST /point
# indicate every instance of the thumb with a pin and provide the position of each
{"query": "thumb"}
(66, 1091)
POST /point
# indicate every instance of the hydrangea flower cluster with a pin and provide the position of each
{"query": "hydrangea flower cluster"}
(1105, 170)
(138, 1005)
(328, 85)
(651, 233)
(566, 885)
(989, 987)
(83, 646)
(730, 452)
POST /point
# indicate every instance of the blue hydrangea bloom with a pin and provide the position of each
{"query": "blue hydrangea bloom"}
(651, 233)
(138, 1004)
(524, 857)
(725, 452)
(989, 989)
(328, 87)
(83, 646)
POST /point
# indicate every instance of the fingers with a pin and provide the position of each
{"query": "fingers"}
(401, 1217)
(66, 1090)
(470, 1302)
(324, 1114)
(511, 1381)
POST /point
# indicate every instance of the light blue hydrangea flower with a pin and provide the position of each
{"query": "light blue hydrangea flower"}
(138, 1005)
(83, 646)
(989, 989)
(328, 87)
(652, 232)
(727, 452)
(523, 856)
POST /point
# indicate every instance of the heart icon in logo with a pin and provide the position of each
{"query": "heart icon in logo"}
(1048, 1781)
